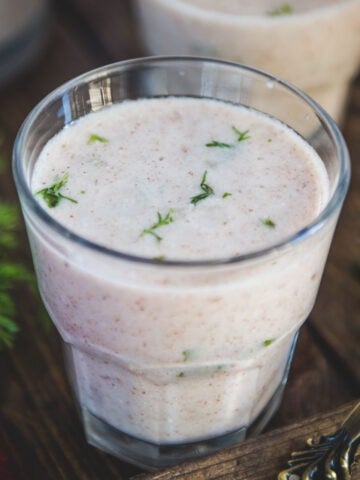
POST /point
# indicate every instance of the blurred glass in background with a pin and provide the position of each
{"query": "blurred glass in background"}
(314, 44)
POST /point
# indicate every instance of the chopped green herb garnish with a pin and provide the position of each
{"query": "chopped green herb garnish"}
(160, 258)
(180, 375)
(269, 140)
(284, 9)
(187, 354)
(241, 135)
(82, 192)
(226, 194)
(215, 143)
(268, 222)
(206, 190)
(93, 138)
(160, 223)
(268, 342)
(52, 195)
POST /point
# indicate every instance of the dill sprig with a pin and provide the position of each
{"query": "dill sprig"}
(206, 190)
(268, 222)
(159, 258)
(241, 135)
(215, 143)
(285, 9)
(94, 137)
(161, 221)
(187, 354)
(52, 195)
(226, 194)
(268, 342)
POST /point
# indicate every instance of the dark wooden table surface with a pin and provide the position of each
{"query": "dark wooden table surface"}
(40, 434)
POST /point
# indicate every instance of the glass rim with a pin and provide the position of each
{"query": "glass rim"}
(310, 229)
(259, 17)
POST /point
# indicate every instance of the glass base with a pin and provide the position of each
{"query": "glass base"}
(150, 456)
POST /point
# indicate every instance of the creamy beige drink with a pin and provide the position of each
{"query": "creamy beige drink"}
(196, 355)
(314, 44)
(179, 236)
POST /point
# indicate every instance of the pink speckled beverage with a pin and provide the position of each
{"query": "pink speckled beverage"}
(314, 44)
(179, 237)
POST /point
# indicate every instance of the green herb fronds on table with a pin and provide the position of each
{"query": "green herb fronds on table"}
(12, 272)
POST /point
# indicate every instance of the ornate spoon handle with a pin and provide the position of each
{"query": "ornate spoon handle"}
(331, 457)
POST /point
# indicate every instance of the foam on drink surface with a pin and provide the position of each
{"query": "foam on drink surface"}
(150, 159)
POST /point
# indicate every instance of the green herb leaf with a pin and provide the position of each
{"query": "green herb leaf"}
(226, 194)
(52, 196)
(160, 258)
(268, 342)
(285, 9)
(206, 191)
(187, 354)
(180, 375)
(14, 272)
(268, 222)
(9, 221)
(8, 331)
(93, 138)
(7, 306)
(215, 143)
(161, 221)
(242, 136)
(11, 272)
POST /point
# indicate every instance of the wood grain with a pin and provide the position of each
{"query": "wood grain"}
(260, 458)
(336, 316)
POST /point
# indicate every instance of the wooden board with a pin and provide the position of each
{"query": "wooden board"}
(260, 458)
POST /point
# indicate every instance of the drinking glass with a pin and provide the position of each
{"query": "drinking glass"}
(316, 45)
(173, 360)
